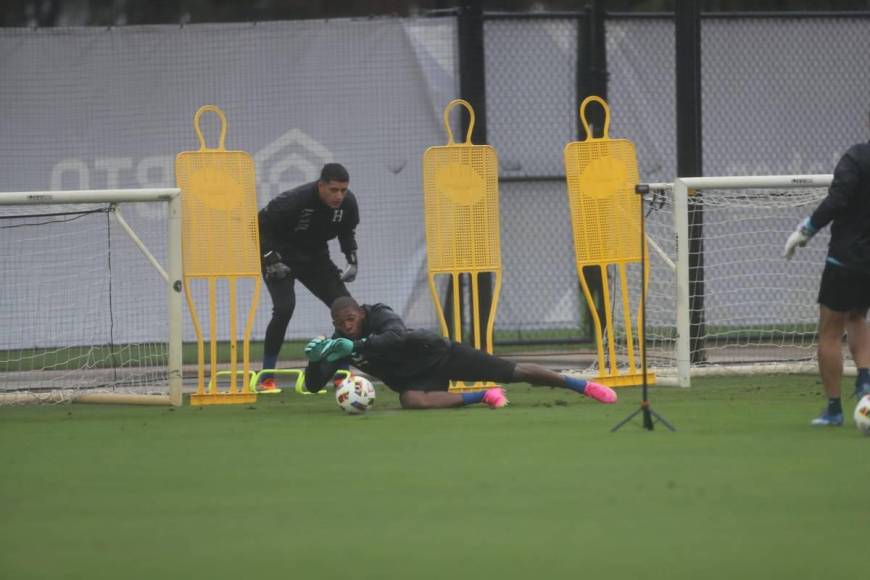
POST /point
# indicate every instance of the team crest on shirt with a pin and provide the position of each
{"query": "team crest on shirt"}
(337, 215)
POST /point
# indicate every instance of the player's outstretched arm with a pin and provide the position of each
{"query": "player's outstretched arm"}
(319, 373)
(328, 349)
(388, 337)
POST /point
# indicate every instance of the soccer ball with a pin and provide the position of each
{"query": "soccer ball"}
(355, 395)
(862, 415)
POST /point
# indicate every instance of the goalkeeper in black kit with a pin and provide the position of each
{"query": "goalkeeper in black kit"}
(294, 230)
(844, 293)
(419, 364)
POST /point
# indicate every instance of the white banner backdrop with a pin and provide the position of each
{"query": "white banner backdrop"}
(107, 108)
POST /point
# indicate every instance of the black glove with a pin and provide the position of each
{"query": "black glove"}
(349, 274)
(275, 269)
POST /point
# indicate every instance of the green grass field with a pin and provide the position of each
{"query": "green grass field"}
(292, 488)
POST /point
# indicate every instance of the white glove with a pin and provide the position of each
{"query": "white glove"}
(349, 274)
(804, 232)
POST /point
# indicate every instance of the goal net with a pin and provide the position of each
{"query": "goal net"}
(721, 298)
(91, 296)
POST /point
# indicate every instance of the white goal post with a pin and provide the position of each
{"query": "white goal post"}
(721, 298)
(83, 318)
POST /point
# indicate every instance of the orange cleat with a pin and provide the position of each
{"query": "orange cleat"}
(268, 386)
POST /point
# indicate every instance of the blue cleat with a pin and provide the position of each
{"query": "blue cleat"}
(827, 419)
(861, 390)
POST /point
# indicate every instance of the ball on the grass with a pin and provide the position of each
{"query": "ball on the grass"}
(355, 395)
(862, 415)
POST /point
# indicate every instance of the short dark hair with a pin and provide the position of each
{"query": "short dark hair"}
(341, 303)
(334, 172)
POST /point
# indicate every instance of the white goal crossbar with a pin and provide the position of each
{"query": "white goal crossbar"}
(171, 274)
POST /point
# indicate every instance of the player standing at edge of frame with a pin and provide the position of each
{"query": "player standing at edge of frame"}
(294, 230)
(844, 293)
(419, 364)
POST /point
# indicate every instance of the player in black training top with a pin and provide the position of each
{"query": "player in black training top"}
(844, 293)
(420, 364)
(294, 230)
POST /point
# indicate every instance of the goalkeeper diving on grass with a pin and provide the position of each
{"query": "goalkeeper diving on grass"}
(419, 364)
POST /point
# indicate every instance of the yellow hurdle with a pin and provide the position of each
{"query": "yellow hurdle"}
(220, 242)
(461, 201)
(298, 376)
(605, 216)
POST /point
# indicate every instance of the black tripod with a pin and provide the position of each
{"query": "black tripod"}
(650, 417)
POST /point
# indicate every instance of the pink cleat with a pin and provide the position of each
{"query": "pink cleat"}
(495, 398)
(600, 393)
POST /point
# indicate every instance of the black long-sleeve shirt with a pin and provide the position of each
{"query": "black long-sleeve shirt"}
(386, 349)
(847, 205)
(297, 224)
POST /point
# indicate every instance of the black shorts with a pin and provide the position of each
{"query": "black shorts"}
(843, 289)
(322, 278)
(463, 363)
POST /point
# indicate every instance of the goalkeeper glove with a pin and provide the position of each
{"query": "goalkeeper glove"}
(804, 232)
(313, 348)
(331, 349)
(275, 269)
(349, 274)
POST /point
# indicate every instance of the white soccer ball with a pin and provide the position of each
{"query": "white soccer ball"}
(355, 395)
(862, 415)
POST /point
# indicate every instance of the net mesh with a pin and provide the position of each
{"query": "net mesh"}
(78, 318)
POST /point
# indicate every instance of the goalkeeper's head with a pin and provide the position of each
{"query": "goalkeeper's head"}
(348, 317)
(332, 185)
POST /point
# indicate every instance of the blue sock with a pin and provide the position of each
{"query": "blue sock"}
(862, 381)
(835, 407)
(472, 398)
(575, 384)
(269, 362)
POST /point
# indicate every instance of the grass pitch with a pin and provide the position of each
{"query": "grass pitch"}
(292, 488)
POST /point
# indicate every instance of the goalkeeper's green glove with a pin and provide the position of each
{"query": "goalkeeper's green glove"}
(799, 237)
(331, 349)
(337, 349)
(313, 350)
